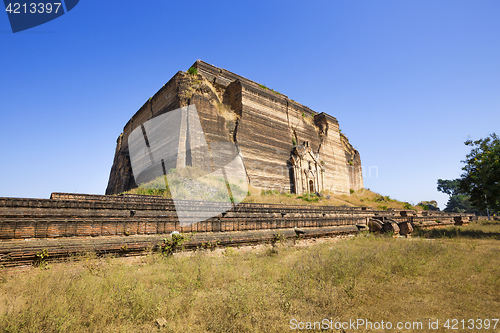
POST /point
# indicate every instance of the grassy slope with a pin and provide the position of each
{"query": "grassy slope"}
(361, 198)
(454, 275)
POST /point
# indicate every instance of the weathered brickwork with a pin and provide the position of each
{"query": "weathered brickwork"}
(264, 124)
(70, 215)
(69, 224)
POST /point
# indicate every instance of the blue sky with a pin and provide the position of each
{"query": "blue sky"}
(409, 81)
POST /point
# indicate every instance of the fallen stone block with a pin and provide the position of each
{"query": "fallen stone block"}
(405, 228)
(391, 227)
(361, 227)
(375, 225)
(461, 220)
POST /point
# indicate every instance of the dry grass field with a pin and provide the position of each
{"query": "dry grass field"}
(441, 274)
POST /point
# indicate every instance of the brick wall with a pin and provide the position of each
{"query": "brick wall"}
(69, 215)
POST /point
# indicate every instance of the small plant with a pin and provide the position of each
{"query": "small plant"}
(211, 245)
(269, 192)
(407, 205)
(229, 252)
(322, 162)
(272, 251)
(41, 259)
(172, 245)
(309, 197)
(294, 142)
(303, 115)
(263, 86)
(351, 191)
(92, 264)
(382, 207)
(351, 162)
(193, 71)
(278, 238)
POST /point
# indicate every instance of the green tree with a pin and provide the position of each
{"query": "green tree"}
(481, 177)
(457, 203)
(460, 203)
(449, 187)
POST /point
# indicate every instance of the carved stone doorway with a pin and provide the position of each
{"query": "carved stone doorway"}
(307, 175)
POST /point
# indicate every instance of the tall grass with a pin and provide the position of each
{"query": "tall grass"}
(377, 278)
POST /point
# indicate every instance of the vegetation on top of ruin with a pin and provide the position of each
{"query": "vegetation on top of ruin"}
(192, 71)
(266, 88)
(261, 288)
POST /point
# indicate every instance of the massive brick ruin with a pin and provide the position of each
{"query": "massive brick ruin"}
(285, 146)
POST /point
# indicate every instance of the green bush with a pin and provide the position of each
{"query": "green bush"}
(172, 245)
(193, 71)
(309, 197)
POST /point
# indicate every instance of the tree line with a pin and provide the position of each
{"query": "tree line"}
(477, 190)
